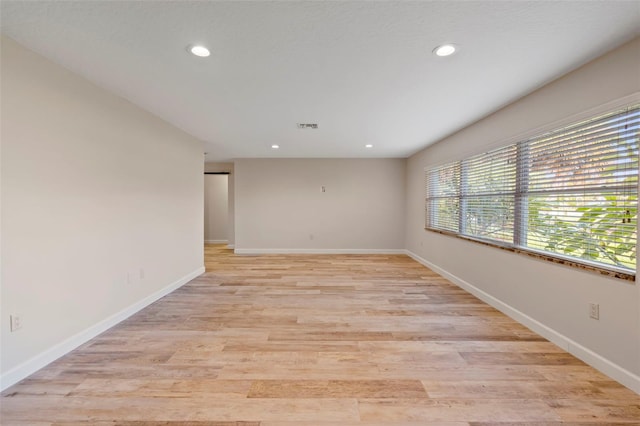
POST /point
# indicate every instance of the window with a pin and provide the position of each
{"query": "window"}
(570, 194)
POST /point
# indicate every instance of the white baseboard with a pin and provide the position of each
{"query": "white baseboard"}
(39, 361)
(216, 241)
(319, 251)
(604, 365)
(231, 246)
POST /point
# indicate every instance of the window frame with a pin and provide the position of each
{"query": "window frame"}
(518, 243)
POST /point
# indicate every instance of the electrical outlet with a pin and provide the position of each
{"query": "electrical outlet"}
(594, 311)
(15, 322)
(142, 273)
(311, 236)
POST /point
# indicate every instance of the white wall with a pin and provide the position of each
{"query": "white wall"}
(279, 204)
(93, 190)
(216, 208)
(557, 296)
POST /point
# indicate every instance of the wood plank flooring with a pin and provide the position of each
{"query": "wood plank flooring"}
(316, 341)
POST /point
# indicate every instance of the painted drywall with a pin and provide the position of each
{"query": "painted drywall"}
(216, 208)
(279, 204)
(94, 190)
(556, 296)
(215, 167)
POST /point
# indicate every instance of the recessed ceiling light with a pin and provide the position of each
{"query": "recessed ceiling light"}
(198, 50)
(445, 50)
(275, 146)
(368, 145)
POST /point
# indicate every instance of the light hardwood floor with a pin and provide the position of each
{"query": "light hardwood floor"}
(316, 341)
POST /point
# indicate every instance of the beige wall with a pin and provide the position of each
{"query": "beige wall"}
(556, 296)
(93, 190)
(216, 208)
(279, 204)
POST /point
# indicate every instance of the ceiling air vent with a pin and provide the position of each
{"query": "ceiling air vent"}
(307, 125)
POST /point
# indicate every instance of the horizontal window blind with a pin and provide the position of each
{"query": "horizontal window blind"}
(571, 193)
(582, 190)
(489, 184)
(443, 197)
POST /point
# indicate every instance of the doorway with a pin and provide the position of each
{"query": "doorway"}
(216, 208)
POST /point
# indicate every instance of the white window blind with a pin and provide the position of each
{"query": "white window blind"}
(443, 197)
(582, 190)
(488, 194)
(571, 193)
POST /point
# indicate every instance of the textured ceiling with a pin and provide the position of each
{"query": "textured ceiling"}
(363, 71)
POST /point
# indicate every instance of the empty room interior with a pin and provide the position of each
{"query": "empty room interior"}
(272, 213)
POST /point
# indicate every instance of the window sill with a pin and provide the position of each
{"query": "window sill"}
(544, 256)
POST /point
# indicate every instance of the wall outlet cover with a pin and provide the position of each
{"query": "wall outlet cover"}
(15, 322)
(594, 311)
